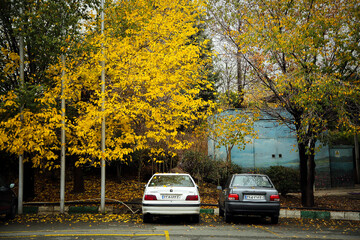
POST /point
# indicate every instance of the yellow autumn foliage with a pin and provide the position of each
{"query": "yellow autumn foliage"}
(233, 127)
(153, 76)
(32, 133)
(304, 57)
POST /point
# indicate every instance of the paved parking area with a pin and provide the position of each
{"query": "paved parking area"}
(84, 234)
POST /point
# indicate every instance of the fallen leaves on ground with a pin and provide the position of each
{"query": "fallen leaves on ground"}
(78, 218)
(319, 224)
(125, 191)
(132, 191)
(347, 203)
(207, 220)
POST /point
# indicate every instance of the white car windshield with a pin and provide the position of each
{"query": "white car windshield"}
(251, 181)
(171, 180)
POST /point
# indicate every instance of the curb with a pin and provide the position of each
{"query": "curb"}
(284, 213)
(208, 210)
(326, 215)
(83, 209)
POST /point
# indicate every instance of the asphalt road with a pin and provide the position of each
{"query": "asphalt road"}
(178, 228)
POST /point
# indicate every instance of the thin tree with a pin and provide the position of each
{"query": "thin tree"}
(303, 55)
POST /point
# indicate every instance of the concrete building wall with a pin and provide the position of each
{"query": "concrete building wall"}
(277, 145)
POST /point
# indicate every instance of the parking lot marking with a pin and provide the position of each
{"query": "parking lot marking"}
(269, 231)
(165, 234)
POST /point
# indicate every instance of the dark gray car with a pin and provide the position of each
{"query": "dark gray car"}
(249, 194)
(8, 199)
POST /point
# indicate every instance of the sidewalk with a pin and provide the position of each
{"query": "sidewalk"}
(284, 213)
(350, 191)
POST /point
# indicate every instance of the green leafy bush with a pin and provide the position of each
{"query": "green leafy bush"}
(204, 168)
(221, 172)
(285, 179)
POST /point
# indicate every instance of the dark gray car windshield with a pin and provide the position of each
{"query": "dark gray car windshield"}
(251, 181)
(171, 180)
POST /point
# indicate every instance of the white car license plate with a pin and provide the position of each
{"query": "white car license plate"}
(254, 197)
(170, 197)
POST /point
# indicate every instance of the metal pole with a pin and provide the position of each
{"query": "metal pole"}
(357, 159)
(21, 156)
(102, 205)
(62, 169)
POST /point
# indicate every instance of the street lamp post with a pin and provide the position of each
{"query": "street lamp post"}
(102, 205)
(21, 155)
(62, 173)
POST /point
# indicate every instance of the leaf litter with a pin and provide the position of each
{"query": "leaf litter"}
(131, 191)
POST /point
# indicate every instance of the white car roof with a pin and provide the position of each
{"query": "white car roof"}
(171, 174)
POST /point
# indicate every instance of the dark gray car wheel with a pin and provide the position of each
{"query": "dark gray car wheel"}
(195, 218)
(227, 216)
(221, 211)
(147, 218)
(274, 219)
(12, 213)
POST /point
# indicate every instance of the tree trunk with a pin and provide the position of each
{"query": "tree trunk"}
(79, 186)
(118, 171)
(152, 167)
(240, 82)
(357, 159)
(229, 156)
(29, 182)
(228, 160)
(239, 73)
(140, 168)
(307, 173)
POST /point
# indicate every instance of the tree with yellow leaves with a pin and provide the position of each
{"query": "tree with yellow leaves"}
(232, 127)
(28, 124)
(304, 57)
(154, 74)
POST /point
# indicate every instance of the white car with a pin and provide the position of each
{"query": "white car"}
(171, 194)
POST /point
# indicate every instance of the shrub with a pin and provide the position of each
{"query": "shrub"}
(285, 179)
(204, 168)
(223, 172)
(197, 164)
